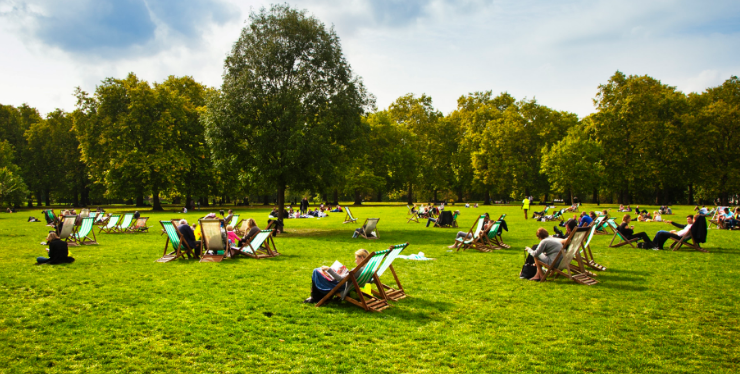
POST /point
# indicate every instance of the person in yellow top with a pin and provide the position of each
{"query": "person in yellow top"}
(525, 206)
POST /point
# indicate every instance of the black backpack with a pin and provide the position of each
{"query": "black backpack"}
(529, 269)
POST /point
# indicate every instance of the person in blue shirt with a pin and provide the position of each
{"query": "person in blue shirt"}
(585, 219)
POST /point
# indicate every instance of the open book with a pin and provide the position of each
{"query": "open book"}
(338, 268)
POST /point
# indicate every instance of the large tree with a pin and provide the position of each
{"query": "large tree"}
(289, 105)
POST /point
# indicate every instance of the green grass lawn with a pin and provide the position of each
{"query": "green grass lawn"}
(116, 310)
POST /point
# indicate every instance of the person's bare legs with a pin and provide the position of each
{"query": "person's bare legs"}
(539, 275)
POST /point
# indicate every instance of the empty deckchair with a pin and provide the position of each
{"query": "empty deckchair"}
(370, 229)
(180, 247)
(139, 225)
(111, 225)
(68, 229)
(495, 240)
(349, 218)
(391, 293)
(562, 263)
(234, 221)
(623, 241)
(175, 222)
(588, 256)
(124, 223)
(83, 232)
(476, 233)
(212, 240)
(261, 245)
(356, 279)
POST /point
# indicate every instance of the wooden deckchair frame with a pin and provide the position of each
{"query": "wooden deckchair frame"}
(177, 251)
(242, 229)
(366, 231)
(562, 262)
(51, 216)
(542, 214)
(68, 229)
(139, 226)
(120, 228)
(587, 254)
(79, 237)
(369, 268)
(390, 292)
(477, 233)
(211, 239)
(260, 245)
(618, 234)
(348, 218)
(688, 241)
(414, 215)
(111, 224)
(494, 237)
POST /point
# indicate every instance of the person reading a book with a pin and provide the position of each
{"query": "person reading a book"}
(325, 278)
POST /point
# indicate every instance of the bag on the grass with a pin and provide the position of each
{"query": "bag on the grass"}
(529, 269)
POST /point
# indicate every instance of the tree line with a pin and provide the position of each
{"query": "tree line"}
(291, 118)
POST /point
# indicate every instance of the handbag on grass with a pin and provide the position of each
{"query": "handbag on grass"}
(529, 269)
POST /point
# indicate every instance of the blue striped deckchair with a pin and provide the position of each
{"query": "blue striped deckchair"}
(212, 240)
(83, 232)
(476, 233)
(617, 234)
(67, 230)
(111, 225)
(180, 247)
(349, 218)
(261, 245)
(124, 223)
(588, 256)
(391, 293)
(354, 281)
(562, 265)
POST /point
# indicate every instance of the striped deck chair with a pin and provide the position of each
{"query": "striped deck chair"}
(139, 225)
(541, 214)
(562, 263)
(476, 234)
(234, 221)
(391, 293)
(83, 232)
(370, 229)
(51, 218)
(212, 240)
(414, 215)
(68, 229)
(111, 225)
(349, 218)
(179, 246)
(558, 215)
(175, 222)
(588, 256)
(354, 281)
(494, 234)
(124, 223)
(623, 241)
(261, 245)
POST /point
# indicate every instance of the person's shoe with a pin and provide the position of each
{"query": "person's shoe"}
(557, 231)
(308, 301)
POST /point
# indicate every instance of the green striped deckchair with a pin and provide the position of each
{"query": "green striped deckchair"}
(477, 240)
(494, 234)
(354, 281)
(562, 265)
(558, 215)
(212, 240)
(51, 218)
(391, 293)
(588, 256)
(124, 224)
(261, 245)
(179, 246)
(234, 221)
(68, 229)
(111, 225)
(175, 222)
(349, 218)
(83, 232)
(541, 214)
(617, 234)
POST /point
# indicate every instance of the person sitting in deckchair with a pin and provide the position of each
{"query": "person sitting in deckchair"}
(320, 285)
(228, 218)
(360, 231)
(487, 223)
(723, 217)
(189, 235)
(430, 220)
(58, 251)
(662, 236)
(572, 224)
(546, 251)
(251, 231)
(628, 232)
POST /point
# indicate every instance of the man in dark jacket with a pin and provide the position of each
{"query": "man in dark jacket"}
(304, 205)
(189, 236)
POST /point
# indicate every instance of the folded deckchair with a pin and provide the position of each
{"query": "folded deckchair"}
(261, 245)
(212, 240)
(369, 228)
(356, 279)
(617, 234)
(391, 293)
(139, 225)
(124, 223)
(687, 241)
(495, 240)
(111, 225)
(476, 234)
(83, 232)
(562, 263)
(180, 246)
(68, 229)
(588, 256)
(349, 218)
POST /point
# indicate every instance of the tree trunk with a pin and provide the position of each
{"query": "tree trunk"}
(380, 196)
(435, 196)
(38, 198)
(156, 206)
(691, 194)
(188, 199)
(358, 197)
(281, 201)
(139, 199)
(47, 198)
(570, 190)
(487, 198)
(75, 199)
(460, 194)
(336, 197)
(595, 197)
(410, 196)
(266, 200)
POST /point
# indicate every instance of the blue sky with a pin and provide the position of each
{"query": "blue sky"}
(557, 52)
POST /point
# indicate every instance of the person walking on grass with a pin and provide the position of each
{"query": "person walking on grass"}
(525, 206)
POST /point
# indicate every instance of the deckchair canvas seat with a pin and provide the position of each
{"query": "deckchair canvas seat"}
(261, 245)
(180, 247)
(390, 292)
(212, 240)
(82, 234)
(355, 281)
(349, 218)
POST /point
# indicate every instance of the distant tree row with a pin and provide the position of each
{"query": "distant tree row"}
(292, 118)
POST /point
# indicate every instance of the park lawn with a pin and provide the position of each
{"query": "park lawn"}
(117, 310)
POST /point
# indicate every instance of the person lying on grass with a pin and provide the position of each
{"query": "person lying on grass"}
(58, 251)
(546, 251)
(320, 285)
(487, 223)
